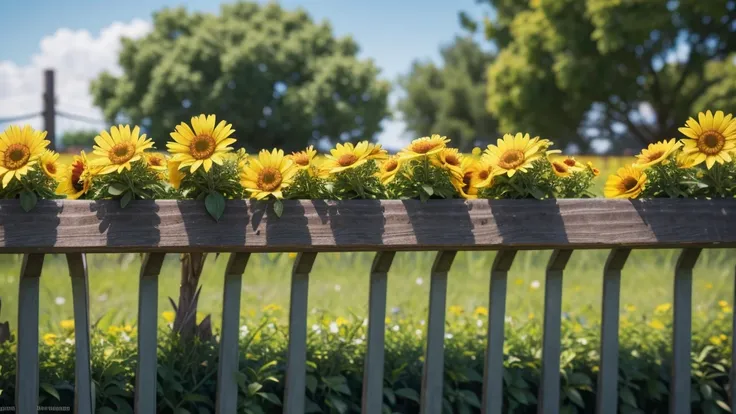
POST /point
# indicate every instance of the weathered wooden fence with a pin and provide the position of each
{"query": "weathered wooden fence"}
(311, 227)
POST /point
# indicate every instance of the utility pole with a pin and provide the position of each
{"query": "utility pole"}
(49, 108)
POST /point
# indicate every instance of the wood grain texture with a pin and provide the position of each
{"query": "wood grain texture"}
(26, 362)
(83, 404)
(314, 225)
(680, 401)
(147, 366)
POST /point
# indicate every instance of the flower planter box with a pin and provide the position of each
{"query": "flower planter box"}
(366, 225)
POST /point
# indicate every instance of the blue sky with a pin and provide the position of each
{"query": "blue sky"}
(391, 32)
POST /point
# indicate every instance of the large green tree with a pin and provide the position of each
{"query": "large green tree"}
(630, 71)
(279, 78)
(449, 99)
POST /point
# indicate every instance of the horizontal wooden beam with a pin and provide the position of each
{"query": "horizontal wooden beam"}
(360, 225)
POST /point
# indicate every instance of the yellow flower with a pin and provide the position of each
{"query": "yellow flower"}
(204, 145)
(272, 307)
(530, 316)
(269, 174)
(656, 324)
(477, 173)
(480, 311)
(67, 324)
(175, 173)
(19, 150)
(449, 159)
(156, 161)
(628, 182)
(560, 169)
(663, 308)
(388, 169)
(477, 151)
(168, 316)
(424, 146)
(715, 340)
(456, 310)
(519, 282)
(292, 255)
(346, 156)
(303, 159)
(108, 352)
(113, 330)
(709, 285)
(76, 179)
(630, 308)
(49, 338)
(657, 153)
(710, 139)
(119, 148)
(340, 321)
(722, 303)
(49, 163)
(515, 153)
(594, 170)
(376, 152)
(723, 337)
(685, 160)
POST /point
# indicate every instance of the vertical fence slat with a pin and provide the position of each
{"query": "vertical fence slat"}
(83, 403)
(733, 354)
(296, 359)
(549, 389)
(145, 379)
(26, 372)
(228, 365)
(493, 372)
(372, 400)
(432, 378)
(682, 330)
(607, 399)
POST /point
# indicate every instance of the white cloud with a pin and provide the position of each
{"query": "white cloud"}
(77, 56)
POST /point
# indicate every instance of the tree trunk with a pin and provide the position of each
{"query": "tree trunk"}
(185, 321)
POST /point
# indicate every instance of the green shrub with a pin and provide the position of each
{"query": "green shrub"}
(336, 347)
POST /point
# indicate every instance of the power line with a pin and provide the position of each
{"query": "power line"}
(80, 118)
(19, 118)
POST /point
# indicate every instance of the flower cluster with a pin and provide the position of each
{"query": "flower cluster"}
(700, 164)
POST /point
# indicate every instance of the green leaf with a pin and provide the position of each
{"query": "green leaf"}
(575, 397)
(338, 404)
(578, 378)
(125, 199)
(278, 208)
(628, 397)
(337, 383)
(50, 390)
(240, 378)
(254, 388)
(197, 398)
(428, 189)
(106, 410)
(472, 375)
(707, 391)
(519, 395)
(116, 189)
(267, 366)
(28, 200)
(311, 383)
(203, 410)
(723, 405)
(470, 398)
(215, 205)
(390, 396)
(270, 397)
(311, 407)
(408, 393)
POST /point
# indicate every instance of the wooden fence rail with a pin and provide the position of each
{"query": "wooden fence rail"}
(310, 227)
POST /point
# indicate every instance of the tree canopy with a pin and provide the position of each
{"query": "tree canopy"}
(279, 78)
(629, 71)
(78, 138)
(450, 99)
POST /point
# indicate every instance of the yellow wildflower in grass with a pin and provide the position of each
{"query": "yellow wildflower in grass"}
(128, 328)
(630, 308)
(656, 324)
(710, 139)
(657, 153)
(722, 303)
(19, 151)
(346, 156)
(456, 310)
(709, 285)
(268, 175)
(480, 311)
(723, 337)
(628, 182)
(67, 324)
(449, 159)
(49, 161)
(387, 169)
(376, 152)
(423, 147)
(519, 282)
(663, 308)
(272, 307)
(715, 340)
(203, 146)
(175, 173)
(293, 255)
(515, 153)
(76, 179)
(168, 316)
(530, 316)
(156, 161)
(49, 338)
(118, 148)
(340, 321)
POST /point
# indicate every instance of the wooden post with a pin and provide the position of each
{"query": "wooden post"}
(49, 108)
(682, 331)
(145, 379)
(83, 403)
(26, 371)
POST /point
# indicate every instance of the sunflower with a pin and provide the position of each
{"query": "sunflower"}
(156, 161)
(19, 150)
(49, 163)
(346, 156)
(657, 153)
(76, 179)
(175, 173)
(388, 169)
(205, 145)
(449, 159)
(269, 174)
(572, 164)
(685, 161)
(628, 182)
(303, 159)
(476, 173)
(119, 148)
(376, 152)
(560, 168)
(710, 139)
(594, 170)
(424, 146)
(515, 153)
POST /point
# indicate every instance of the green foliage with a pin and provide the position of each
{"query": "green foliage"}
(277, 76)
(307, 186)
(138, 183)
(214, 186)
(360, 182)
(30, 188)
(335, 357)
(540, 182)
(576, 68)
(84, 139)
(424, 181)
(450, 98)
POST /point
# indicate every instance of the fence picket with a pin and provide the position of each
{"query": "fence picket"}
(432, 378)
(607, 398)
(682, 331)
(145, 379)
(296, 359)
(229, 365)
(732, 383)
(26, 369)
(83, 403)
(372, 399)
(493, 372)
(549, 389)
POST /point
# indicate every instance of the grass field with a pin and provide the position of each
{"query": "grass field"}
(339, 283)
